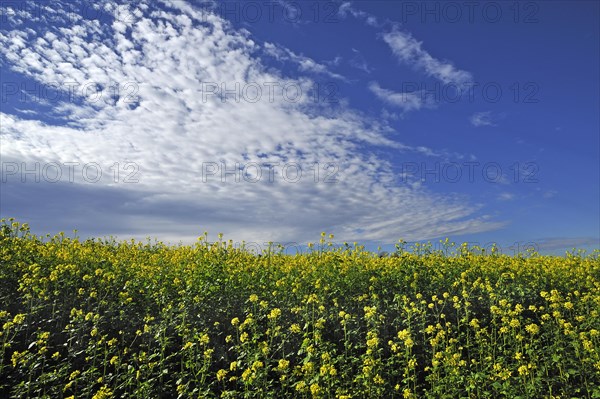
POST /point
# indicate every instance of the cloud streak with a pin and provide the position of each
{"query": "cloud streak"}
(305, 64)
(480, 119)
(407, 101)
(409, 51)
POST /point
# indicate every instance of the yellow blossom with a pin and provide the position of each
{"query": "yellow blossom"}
(221, 374)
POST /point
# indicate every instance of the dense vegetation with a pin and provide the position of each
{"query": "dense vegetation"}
(99, 319)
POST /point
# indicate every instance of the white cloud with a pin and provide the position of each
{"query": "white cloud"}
(346, 10)
(305, 64)
(406, 101)
(408, 50)
(155, 109)
(479, 119)
(506, 196)
(565, 243)
(359, 62)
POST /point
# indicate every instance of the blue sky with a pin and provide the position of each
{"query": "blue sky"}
(274, 121)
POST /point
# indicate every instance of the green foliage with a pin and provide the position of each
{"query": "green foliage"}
(100, 319)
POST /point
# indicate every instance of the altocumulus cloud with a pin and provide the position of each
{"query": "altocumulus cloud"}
(163, 57)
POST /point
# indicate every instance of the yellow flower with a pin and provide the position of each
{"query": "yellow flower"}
(103, 393)
(221, 374)
(257, 365)
(378, 380)
(556, 314)
(315, 389)
(295, 328)
(518, 308)
(283, 364)
(249, 320)
(301, 386)
(235, 321)
(370, 311)
(19, 318)
(246, 374)
(204, 339)
(16, 356)
(308, 367)
(320, 323)
(532, 328)
(275, 313)
(373, 342)
(253, 298)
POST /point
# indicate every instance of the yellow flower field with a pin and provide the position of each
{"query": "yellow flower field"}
(104, 319)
